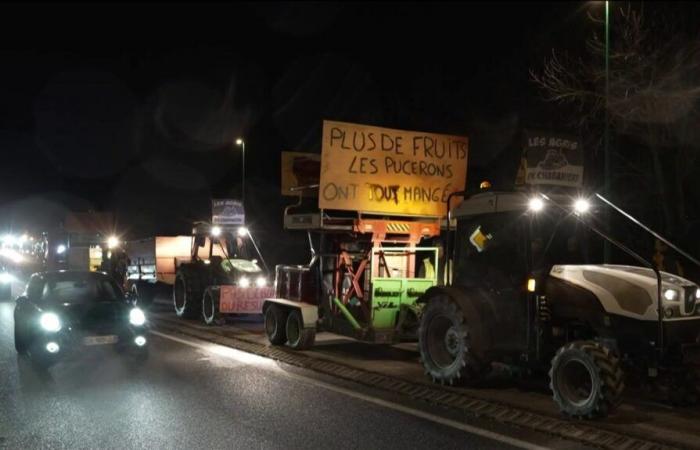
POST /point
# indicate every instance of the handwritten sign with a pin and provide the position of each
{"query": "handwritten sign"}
(240, 300)
(552, 159)
(227, 212)
(380, 170)
(300, 169)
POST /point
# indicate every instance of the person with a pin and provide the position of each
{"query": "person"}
(666, 260)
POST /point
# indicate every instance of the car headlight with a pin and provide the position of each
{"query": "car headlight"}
(670, 294)
(6, 278)
(243, 282)
(137, 317)
(50, 322)
(261, 282)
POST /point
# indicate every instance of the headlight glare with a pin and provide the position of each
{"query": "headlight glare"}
(244, 282)
(50, 322)
(261, 282)
(6, 278)
(137, 317)
(670, 295)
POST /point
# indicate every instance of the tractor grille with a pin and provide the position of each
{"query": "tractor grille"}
(689, 298)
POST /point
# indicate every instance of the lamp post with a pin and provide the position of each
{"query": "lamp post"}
(606, 133)
(241, 143)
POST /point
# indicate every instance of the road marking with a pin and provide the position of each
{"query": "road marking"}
(250, 358)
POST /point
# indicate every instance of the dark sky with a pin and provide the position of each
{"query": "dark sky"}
(133, 108)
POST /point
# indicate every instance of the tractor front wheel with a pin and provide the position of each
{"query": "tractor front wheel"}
(586, 380)
(187, 294)
(210, 307)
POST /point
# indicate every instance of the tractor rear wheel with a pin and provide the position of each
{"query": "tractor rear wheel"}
(298, 337)
(210, 307)
(187, 294)
(586, 380)
(445, 344)
(275, 324)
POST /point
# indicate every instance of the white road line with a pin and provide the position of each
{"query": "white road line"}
(250, 358)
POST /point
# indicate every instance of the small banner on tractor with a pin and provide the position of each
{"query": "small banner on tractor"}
(240, 300)
(552, 159)
(380, 170)
(300, 169)
(227, 212)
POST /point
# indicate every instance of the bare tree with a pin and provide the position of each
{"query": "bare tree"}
(654, 86)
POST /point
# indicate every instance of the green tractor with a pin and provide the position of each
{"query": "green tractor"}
(524, 293)
(223, 276)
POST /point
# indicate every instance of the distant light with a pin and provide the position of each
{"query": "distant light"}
(239, 141)
(12, 255)
(22, 239)
(112, 242)
(140, 341)
(242, 231)
(261, 282)
(581, 206)
(61, 249)
(485, 185)
(52, 347)
(6, 278)
(216, 231)
(9, 239)
(536, 204)
(244, 282)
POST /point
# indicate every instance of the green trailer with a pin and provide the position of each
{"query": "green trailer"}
(363, 281)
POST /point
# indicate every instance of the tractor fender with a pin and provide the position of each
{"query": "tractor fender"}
(478, 317)
(309, 312)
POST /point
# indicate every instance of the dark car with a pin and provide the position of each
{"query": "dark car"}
(63, 313)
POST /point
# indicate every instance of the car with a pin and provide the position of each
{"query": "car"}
(63, 313)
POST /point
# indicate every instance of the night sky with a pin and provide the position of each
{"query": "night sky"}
(134, 108)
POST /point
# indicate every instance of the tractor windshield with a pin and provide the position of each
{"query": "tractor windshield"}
(557, 239)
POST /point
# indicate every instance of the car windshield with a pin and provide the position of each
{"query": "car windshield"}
(79, 288)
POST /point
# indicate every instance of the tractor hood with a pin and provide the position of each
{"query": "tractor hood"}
(631, 291)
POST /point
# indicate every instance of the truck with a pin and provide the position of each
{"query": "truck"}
(211, 275)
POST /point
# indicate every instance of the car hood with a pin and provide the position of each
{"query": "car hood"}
(91, 316)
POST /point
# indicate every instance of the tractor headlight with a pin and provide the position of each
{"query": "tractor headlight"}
(6, 278)
(50, 322)
(670, 295)
(697, 294)
(137, 317)
(261, 282)
(244, 282)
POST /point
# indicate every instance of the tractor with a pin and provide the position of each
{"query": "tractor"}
(223, 276)
(524, 293)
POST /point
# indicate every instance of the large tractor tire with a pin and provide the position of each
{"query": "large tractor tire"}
(21, 344)
(210, 307)
(275, 324)
(586, 380)
(446, 344)
(298, 337)
(187, 293)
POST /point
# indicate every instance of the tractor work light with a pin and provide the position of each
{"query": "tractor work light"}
(242, 231)
(112, 242)
(536, 204)
(216, 231)
(137, 317)
(6, 278)
(50, 322)
(244, 282)
(581, 206)
(261, 282)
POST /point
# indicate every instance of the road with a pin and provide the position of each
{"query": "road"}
(191, 394)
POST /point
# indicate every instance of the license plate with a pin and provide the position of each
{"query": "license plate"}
(101, 340)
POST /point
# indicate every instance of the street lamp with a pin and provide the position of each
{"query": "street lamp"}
(241, 143)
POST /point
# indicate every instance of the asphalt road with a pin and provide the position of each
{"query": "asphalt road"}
(195, 396)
